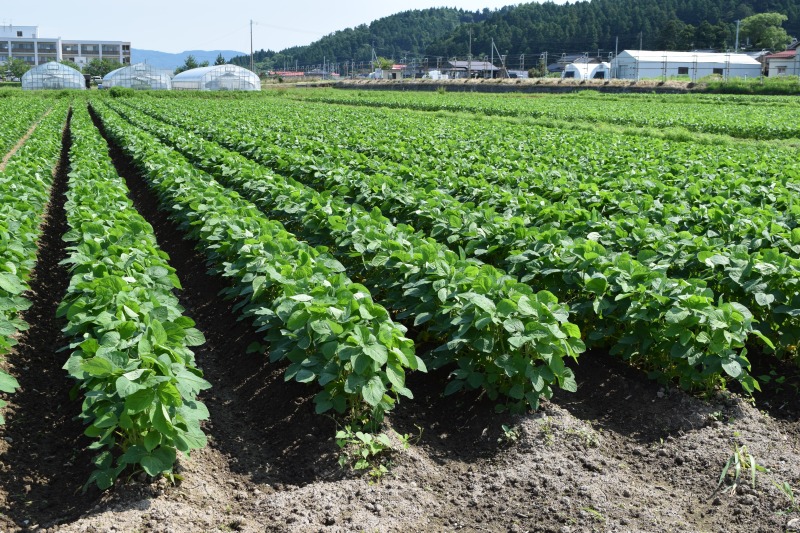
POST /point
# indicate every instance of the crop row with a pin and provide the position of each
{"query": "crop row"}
(754, 264)
(566, 179)
(24, 193)
(503, 337)
(19, 114)
(129, 340)
(718, 115)
(674, 326)
(326, 326)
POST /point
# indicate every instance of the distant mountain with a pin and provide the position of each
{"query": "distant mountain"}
(171, 61)
(525, 32)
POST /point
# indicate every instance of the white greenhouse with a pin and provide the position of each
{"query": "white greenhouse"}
(52, 75)
(139, 76)
(217, 78)
(648, 64)
(587, 71)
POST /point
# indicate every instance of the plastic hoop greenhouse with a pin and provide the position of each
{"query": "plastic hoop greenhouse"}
(52, 75)
(139, 76)
(217, 78)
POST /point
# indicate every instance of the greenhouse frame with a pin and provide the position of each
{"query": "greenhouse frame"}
(140, 76)
(217, 78)
(52, 75)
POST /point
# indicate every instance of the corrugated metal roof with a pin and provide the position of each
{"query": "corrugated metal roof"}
(474, 65)
(701, 57)
(786, 54)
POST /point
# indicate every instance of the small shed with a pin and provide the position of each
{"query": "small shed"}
(139, 76)
(217, 78)
(785, 63)
(651, 64)
(52, 75)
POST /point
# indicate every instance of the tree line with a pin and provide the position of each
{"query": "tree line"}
(587, 26)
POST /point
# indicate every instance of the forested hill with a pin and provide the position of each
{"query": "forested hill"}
(589, 26)
(406, 34)
(534, 28)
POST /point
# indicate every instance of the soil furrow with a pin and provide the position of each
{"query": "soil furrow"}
(44, 462)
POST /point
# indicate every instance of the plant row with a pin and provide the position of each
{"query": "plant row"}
(720, 115)
(24, 193)
(760, 273)
(327, 327)
(129, 339)
(19, 114)
(675, 327)
(566, 179)
(501, 336)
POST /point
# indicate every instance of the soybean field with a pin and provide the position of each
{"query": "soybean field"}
(319, 309)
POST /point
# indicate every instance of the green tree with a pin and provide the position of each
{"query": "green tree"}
(384, 63)
(100, 67)
(765, 31)
(16, 67)
(204, 64)
(188, 64)
(220, 60)
(539, 71)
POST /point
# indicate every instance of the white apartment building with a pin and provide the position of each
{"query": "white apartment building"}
(23, 42)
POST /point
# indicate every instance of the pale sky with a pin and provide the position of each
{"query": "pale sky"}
(205, 25)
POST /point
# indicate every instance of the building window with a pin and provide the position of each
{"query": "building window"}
(126, 48)
(19, 34)
(719, 71)
(781, 70)
(683, 70)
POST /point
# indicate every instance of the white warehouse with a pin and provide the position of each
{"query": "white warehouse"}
(649, 64)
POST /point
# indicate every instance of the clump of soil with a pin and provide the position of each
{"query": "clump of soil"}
(622, 454)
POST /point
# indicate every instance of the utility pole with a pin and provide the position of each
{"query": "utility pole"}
(492, 57)
(639, 59)
(251, 45)
(736, 48)
(469, 57)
